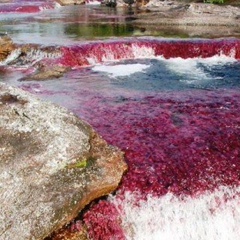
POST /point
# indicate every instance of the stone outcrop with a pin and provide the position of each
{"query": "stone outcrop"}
(6, 46)
(198, 13)
(32, 56)
(46, 73)
(52, 165)
(188, 19)
(70, 2)
(211, 9)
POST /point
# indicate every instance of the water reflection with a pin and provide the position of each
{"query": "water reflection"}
(99, 30)
(69, 24)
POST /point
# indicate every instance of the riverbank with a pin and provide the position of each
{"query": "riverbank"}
(189, 20)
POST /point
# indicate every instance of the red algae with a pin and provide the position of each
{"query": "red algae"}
(27, 9)
(26, 6)
(181, 146)
(110, 227)
(91, 53)
(185, 143)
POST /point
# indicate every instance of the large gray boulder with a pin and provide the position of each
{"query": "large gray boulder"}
(52, 164)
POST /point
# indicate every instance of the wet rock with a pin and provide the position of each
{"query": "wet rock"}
(46, 73)
(40, 61)
(71, 233)
(6, 46)
(70, 2)
(52, 165)
(34, 54)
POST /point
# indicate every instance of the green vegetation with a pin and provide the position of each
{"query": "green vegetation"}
(78, 164)
(82, 162)
(96, 30)
(214, 1)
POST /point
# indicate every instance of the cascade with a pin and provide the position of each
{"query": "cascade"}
(88, 54)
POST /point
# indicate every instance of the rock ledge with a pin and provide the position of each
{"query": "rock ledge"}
(52, 165)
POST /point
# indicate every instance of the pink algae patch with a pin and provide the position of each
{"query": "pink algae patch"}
(88, 54)
(27, 9)
(184, 142)
(26, 6)
(184, 145)
(103, 222)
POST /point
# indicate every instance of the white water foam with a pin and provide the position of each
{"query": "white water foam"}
(11, 57)
(143, 52)
(218, 60)
(191, 68)
(92, 2)
(49, 7)
(187, 68)
(121, 70)
(210, 216)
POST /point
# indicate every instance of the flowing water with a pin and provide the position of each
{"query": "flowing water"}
(171, 105)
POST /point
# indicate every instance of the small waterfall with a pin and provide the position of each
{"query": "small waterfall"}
(99, 52)
(211, 215)
(93, 53)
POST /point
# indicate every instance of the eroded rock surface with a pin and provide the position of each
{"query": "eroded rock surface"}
(46, 73)
(189, 20)
(52, 164)
(71, 2)
(6, 46)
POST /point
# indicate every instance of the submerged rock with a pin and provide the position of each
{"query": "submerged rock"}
(46, 73)
(52, 165)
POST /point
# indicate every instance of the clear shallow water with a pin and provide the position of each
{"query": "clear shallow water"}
(141, 77)
(66, 25)
(173, 74)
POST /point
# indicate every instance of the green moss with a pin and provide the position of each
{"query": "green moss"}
(79, 164)
(82, 163)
